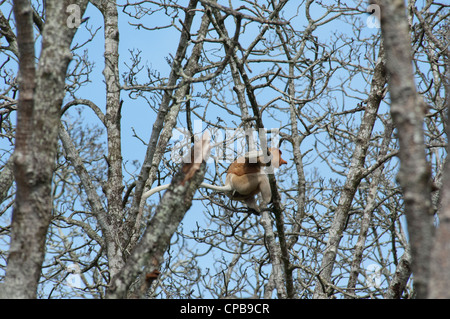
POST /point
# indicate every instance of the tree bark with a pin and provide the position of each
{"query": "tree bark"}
(440, 255)
(148, 254)
(407, 114)
(400, 278)
(115, 246)
(368, 212)
(41, 92)
(6, 179)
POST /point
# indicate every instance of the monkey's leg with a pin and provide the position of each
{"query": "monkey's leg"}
(252, 206)
(266, 192)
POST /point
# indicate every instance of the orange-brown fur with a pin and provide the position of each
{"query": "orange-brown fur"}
(248, 179)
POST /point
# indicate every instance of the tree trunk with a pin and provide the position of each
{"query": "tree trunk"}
(41, 94)
(407, 114)
(440, 256)
(114, 186)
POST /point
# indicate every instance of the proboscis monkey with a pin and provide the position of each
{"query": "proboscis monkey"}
(246, 177)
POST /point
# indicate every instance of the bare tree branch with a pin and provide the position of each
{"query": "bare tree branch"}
(169, 213)
(353, 176)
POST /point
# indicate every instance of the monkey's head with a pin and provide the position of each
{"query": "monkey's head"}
(277, 161)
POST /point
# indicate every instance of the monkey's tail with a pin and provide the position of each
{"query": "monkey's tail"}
(224, 189)
(149, 193)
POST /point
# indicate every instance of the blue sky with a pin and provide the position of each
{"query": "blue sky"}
(156, 46)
